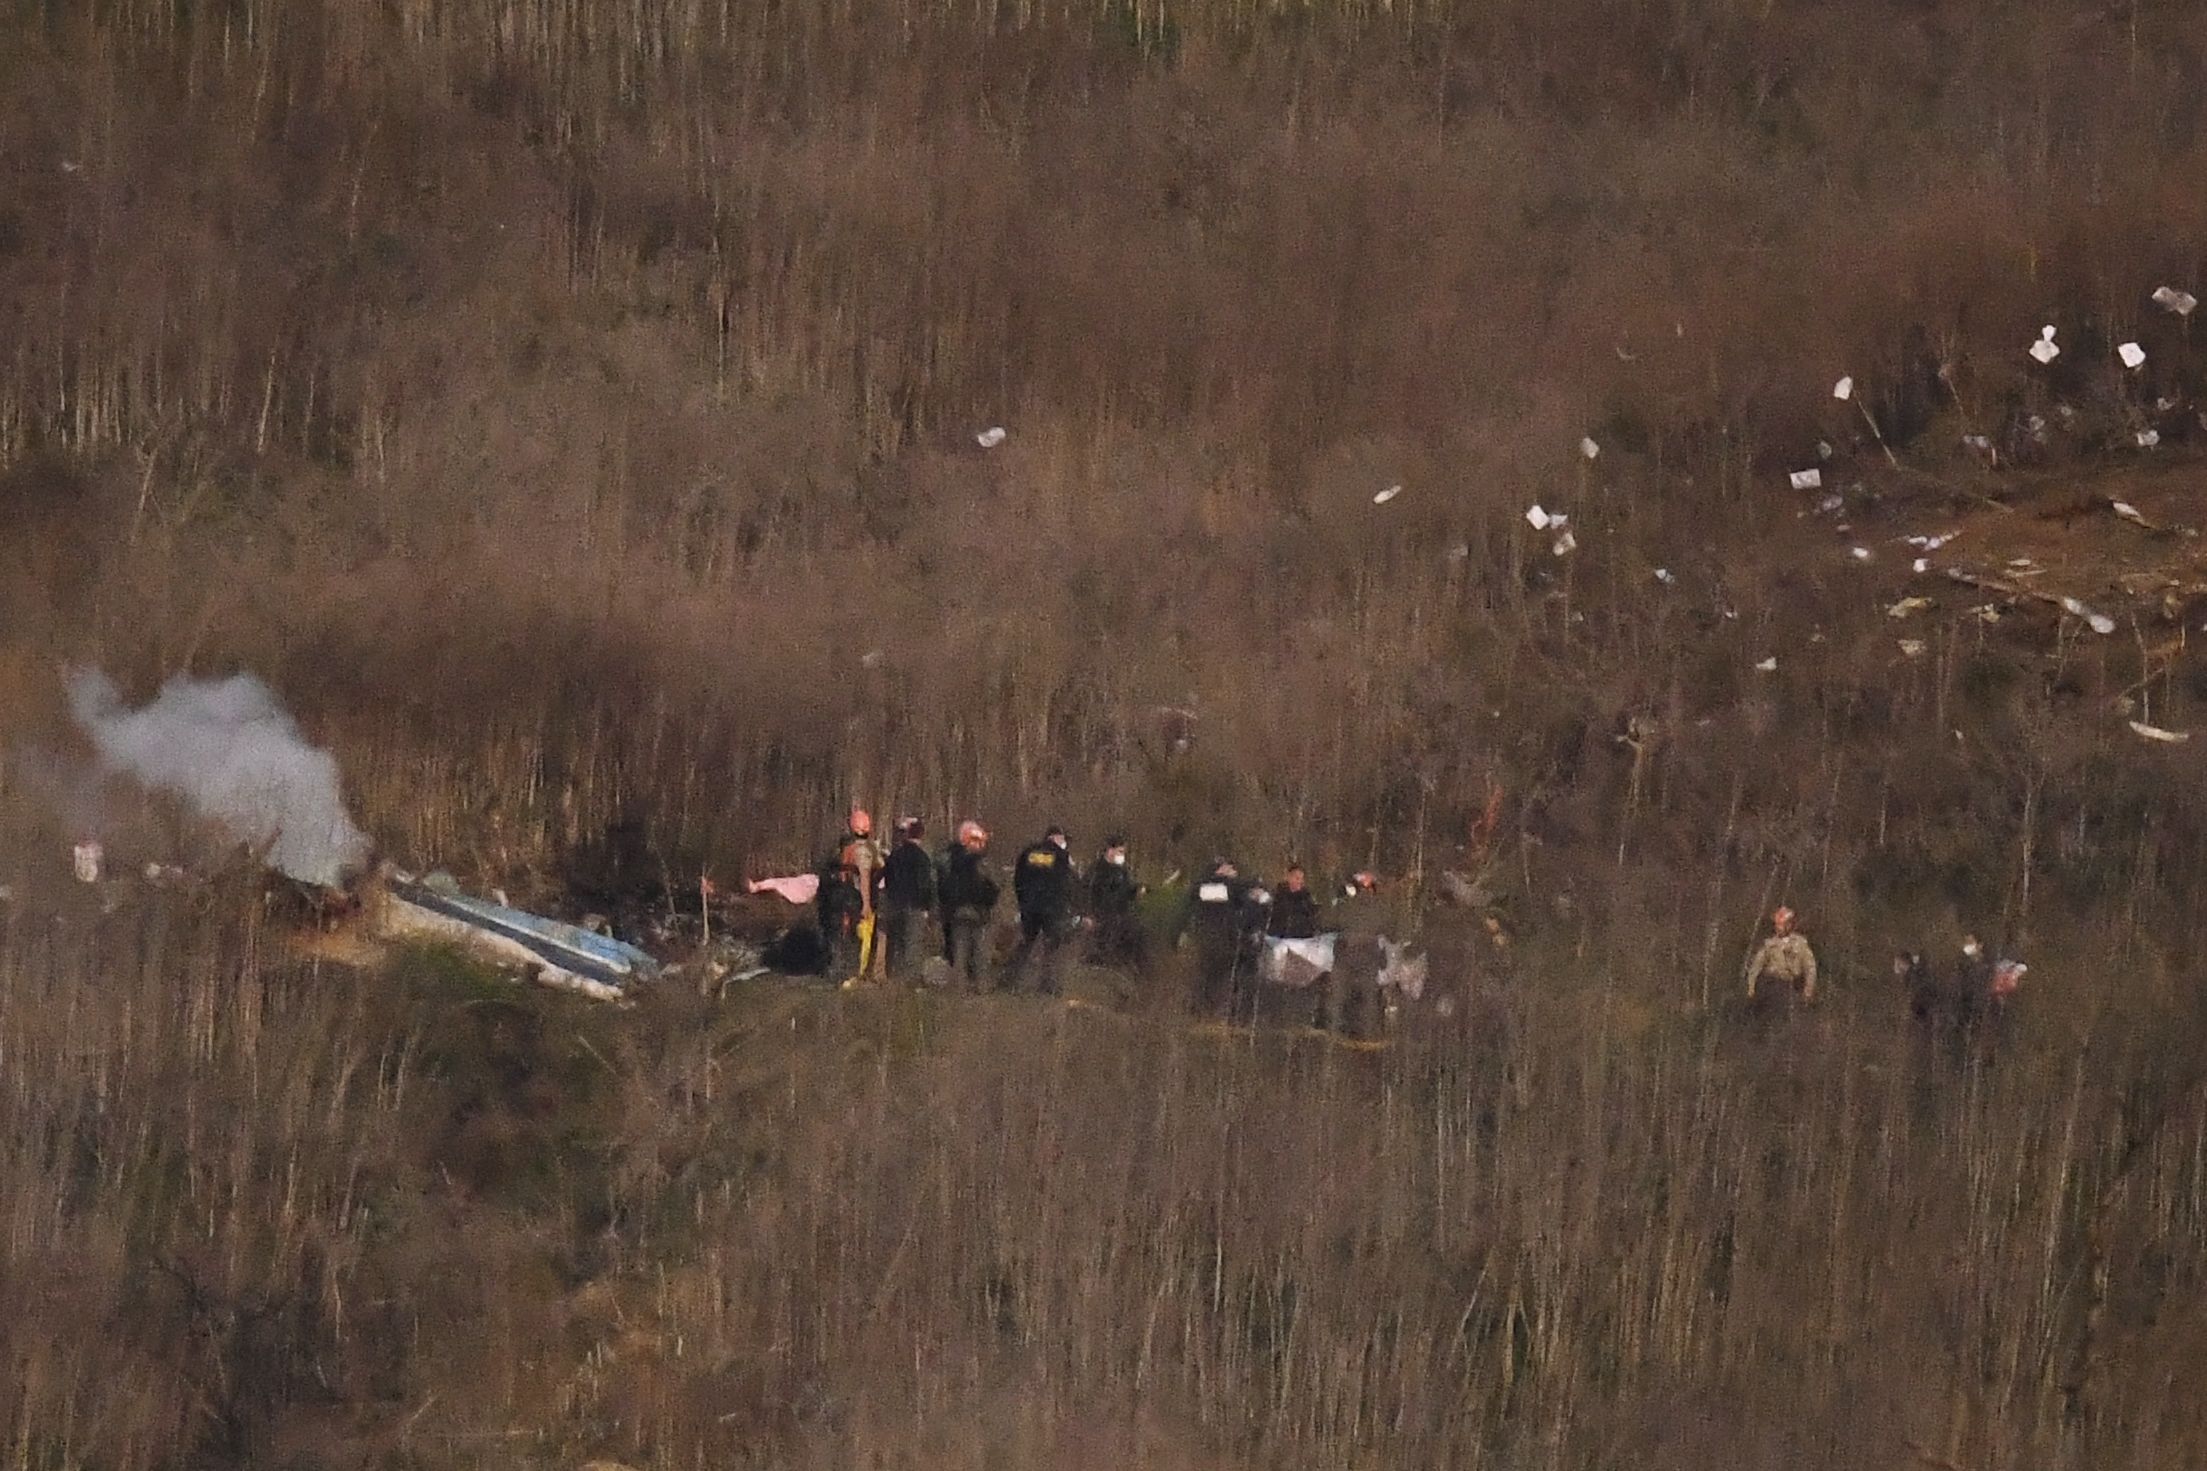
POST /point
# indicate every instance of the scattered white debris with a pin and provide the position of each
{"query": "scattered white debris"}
(1906, 606)
(2127, 511)
(85, 858)
(1768, 666)
(1589, 448)
(2180, 302)
(1807, 479)
(2163, 404)
(1386, 495)
(2099, 622)
(2044, 350)
(1459, 552)
(1565, 545)
(1860, 554)
(871, 659)
(2021, 564)
(1843, 389)
(2148, 438)
(1830, 503)
(2156, 733)
(1824, 450)
(2132, 354)
(2046, 334)
(1920, 565)
(71, 166)
(1977, 442)
(1912, 648)
(1543, 521)
(1930, 543)
(1665, 576)
(1985, 613)
(991, 437)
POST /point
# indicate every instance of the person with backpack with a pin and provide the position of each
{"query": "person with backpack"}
(859, 852)
(965, 895)
(907, 897)
(841, 908)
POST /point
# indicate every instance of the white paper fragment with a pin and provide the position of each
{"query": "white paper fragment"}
(2163, 404)
(1537, 517)
(1931, 543)
(1921, 564)
(1830, 503)
(1907, 606)
(2127, 511)
(1458, 552)
(2132, 354)
(1977, 442)
(1860, 554)
(85, 859)
(991, 437)
(1565, 545)
(1589, 448)
(1768, 666)
(2180, 302)
(2044, 350)
(1386, 495)
(1912, 648)
(1843, 389)
(2148, 438)
(2098, 622)
(1665, 576)
(2020, 564)
(2046, 334)
(1807, 479)
(2156, 733)
(1824, 450)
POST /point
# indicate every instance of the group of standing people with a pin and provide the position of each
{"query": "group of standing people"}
(874, 905)
(1968, 999)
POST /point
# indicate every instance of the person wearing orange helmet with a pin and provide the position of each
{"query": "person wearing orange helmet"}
(861, 856)
(1785, 959)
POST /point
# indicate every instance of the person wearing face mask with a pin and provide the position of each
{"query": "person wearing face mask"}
(1112, 894)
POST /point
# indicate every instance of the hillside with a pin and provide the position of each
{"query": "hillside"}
(581, 416)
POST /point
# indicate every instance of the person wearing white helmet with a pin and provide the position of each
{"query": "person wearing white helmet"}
(1785, 960)
(966, 895)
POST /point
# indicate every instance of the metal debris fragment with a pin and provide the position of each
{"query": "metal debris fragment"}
(1807, 479)
(1907, 606)
(2156, 733)
(2132, 354)
(2180, 302)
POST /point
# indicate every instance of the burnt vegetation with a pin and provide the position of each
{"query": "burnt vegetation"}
(570, 407)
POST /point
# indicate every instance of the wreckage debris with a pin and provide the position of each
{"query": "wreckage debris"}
(1843, 389)
(2132, 354)
(1807, 479)
(2179, 302)
(2156, 733)
(563, 956)
(990, 437)
(1907, 606)
(1383, 497)
(1589, 448)
(2099, 623)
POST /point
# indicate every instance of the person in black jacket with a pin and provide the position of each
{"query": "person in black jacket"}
(1042, 882)
(966, 894)
(907, 894)
(841, 904)
(1226, 929)
(1295, 907)
(1112, 895)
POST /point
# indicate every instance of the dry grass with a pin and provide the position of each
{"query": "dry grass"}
(555, 401)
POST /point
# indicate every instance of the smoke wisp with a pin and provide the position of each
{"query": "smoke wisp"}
(229, 749)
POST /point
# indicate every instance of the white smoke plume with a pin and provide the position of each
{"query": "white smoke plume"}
(226, 747)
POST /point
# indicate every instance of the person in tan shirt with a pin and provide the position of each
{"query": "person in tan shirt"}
(1785, 960)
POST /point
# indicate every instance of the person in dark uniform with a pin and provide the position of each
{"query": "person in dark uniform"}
(1112, 895)
(1294, 907)
(841, 905)
(966, 894)
(907, 895)
(1226, 929)
(1352, 990)
(1042, 883)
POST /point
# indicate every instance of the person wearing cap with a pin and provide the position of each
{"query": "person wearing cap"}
(1353, 1005)
(965, 895)
(1042, 883)
(1112, 895)
(907, 895)
(1784, 959)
